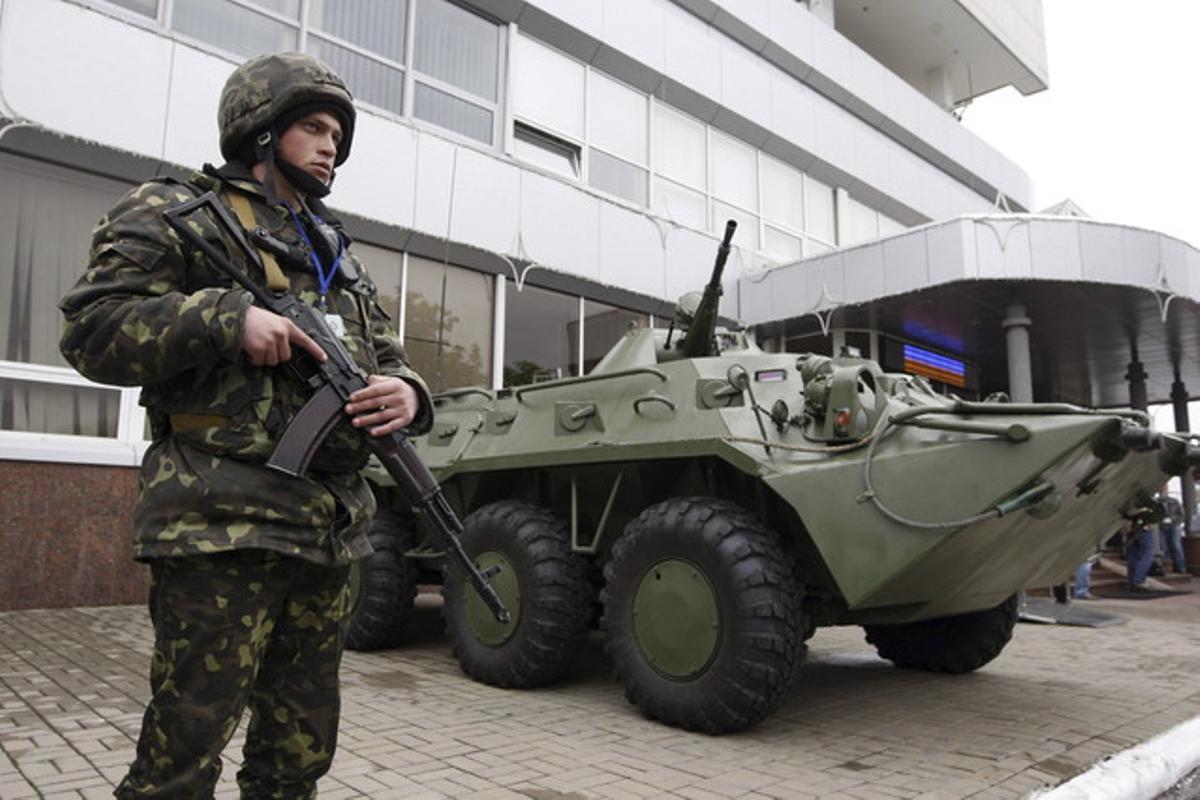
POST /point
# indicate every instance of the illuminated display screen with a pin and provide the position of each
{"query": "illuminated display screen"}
(918, 361)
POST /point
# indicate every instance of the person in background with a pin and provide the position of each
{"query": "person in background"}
(1171, 530)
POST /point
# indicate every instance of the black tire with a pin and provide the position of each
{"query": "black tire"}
(547, 592)
(384, 585)
(954, 645)
(757, 647)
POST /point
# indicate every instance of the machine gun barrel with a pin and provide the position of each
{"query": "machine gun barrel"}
(701, 339)
(332, 382)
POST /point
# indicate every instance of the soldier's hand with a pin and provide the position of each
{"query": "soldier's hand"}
(386, 405)
(267, 338)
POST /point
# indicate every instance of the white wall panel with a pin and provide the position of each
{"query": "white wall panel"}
(745, 82)
(192, 135)
(631, 251)
(484, 209)
(905, 263)
(1141, 255)
(1002, 245)
(434, 172)
(636, 28)
(54, 74)
(792, 110)
(560, 225)
(587, 17)
(1101, 250)
(689, 261)
(378, 181)
(1055, 250)
(1175, 255)
(951, 249)
(690, 54)
(864, 273)
(833, 135)
(792, 31)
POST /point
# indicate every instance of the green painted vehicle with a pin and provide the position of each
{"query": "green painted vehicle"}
(710, 505)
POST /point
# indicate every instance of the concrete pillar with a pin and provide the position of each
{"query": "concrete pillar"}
(1179, 403)
(837, 338)
(1136, 375)
(1020, 365)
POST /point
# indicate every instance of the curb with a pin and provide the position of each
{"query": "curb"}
(1144, 771)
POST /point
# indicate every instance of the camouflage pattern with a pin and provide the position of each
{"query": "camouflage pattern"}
(262, 88)
(151, 312)
(235, 629)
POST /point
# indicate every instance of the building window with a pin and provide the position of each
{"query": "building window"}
(148, 8)
(239, 26)
(541, 335)
(365, 43)
(448, 324)
(456, 61)
(618, 138)
(546, 151)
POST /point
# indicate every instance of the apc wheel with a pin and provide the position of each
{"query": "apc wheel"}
(702, 615)
(383, 586)
(956, 644)
(544, 586)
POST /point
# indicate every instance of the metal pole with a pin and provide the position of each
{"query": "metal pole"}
(1020, 365)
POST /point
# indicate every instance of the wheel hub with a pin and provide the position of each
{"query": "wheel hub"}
(480, 619)
(676, 619)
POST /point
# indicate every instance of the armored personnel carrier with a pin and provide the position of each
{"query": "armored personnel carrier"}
(710, 505)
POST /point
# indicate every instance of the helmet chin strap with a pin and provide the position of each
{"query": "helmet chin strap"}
(266, 148)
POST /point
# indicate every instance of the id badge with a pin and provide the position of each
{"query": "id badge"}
(336, 324)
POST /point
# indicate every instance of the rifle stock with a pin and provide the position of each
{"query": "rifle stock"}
(332, 382)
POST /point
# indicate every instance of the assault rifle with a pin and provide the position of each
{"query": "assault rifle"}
(332, 382)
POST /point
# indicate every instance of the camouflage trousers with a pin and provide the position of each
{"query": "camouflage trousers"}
(233, 629)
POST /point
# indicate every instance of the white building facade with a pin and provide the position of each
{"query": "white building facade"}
(528, 176)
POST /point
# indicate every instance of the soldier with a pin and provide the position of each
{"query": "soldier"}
(249, 594)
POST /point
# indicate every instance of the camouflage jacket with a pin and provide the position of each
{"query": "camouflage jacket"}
(151, 311)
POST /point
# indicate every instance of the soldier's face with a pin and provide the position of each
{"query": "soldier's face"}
(311, 143)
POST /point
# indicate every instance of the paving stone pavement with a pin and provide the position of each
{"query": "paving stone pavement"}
(73, 681)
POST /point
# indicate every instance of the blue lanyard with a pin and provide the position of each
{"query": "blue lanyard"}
(324, 279)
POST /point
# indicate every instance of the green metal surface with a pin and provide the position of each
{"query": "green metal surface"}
(676, 619)
(483, 624)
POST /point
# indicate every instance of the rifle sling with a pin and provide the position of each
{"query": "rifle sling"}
(276, 281)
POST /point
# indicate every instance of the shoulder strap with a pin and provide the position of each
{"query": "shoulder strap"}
(276, 280)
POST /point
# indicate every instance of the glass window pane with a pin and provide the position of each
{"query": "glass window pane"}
(52, 408)
(746, 236)
(233, 28)
(541, 335)
(375, 25)
(458, 47)
(384, 267)
(448, 324)
(889, 226)
(783, 247)
(46, 217)
(147, 7)
(733, 172)
(814, 248)
(448, 111)
(370, 81)
(286, 8)
(603, 326)
(679, 204)
(679, 147)
(782, 193)
(545, 151)
(547, 87)
(818, 211)
(617, 118)
(616, 176)
(861, 223)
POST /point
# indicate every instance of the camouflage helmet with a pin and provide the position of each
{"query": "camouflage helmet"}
(266, 87)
